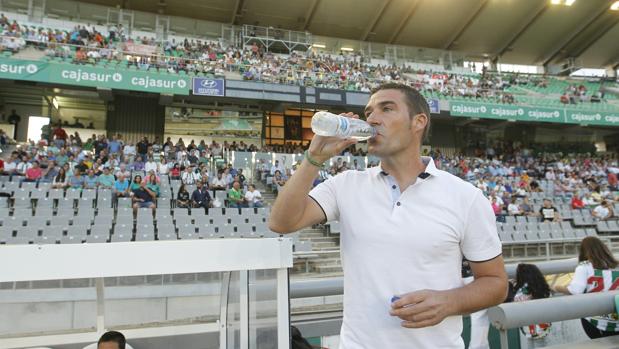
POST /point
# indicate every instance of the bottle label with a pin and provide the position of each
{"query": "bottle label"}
(343, 130)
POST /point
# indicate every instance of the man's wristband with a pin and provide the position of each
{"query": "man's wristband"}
(312, 161)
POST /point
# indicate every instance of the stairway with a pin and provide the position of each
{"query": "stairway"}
(327, 261)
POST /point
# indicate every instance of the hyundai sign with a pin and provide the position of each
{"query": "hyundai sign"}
(208, 87)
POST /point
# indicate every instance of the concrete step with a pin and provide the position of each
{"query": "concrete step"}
(304, 234)
(324, 245)
(328, 268)
(314, 240)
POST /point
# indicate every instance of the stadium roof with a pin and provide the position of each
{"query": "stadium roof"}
(519, 31)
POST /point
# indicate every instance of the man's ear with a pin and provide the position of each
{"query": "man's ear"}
(420, 121)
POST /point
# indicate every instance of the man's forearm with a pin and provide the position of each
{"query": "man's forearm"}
(290, 203)
(483, 292)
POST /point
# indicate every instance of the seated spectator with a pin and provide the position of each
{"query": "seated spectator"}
(235, 196)
(153, 184)
(603, 211)
(151, 165)
(588, 200)
(549, 212)
(201, 197)
(34, 173)
(142, 196)
(182, 198)
(253, 197)
(497, 208)
(279, 180)
(106, 179)
(189, 176)
(50, 173)
(530, 284)
(175, 172)
(514, 209)
(121, 187)
(138, 164)
(90, 181)
(61, 180)
(112, 340)
(137, 181)
(76, 181)
(219, 183)
(595, 273)
(123, 171)
(576, 202)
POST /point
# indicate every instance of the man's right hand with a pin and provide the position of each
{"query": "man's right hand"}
(323, 148)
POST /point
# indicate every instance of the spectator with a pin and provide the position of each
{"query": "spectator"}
(576, 202)
(112, 340)
(129, 152)
(76, 181)
(61, 181)
(530, 284)
(90, 181)
(253, 197)
(603, 211)
(175, 172)
(142, 196)
(153, 185)
(151, 165)
(142, 147)
(201, 197)
(548, 212)
(123, 171)
(496, 207)
(514, 209)
(138, 164)
(137, 181)
(121, 187)
(50, 173)
(588, 200)
(34, 173)
(182, 198)
(106, 179)
(276, 167)
(594, 273)
(219, 183)
(235, 196)
(189, 176)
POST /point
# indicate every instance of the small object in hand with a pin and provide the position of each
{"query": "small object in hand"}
(394, 298)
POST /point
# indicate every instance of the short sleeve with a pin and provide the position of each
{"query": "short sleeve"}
(578, 284)
(325, 195)
(480, 241)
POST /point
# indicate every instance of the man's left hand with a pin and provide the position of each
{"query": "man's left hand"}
(422, 308)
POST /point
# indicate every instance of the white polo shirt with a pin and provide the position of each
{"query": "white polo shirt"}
(394, 243)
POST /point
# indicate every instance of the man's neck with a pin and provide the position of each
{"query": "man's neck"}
(404, 167)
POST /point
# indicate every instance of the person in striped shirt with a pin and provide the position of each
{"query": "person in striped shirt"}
(596, 272)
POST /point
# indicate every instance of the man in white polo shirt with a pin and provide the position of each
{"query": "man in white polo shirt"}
(405, 227)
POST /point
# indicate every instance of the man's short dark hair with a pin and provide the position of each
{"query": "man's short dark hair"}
(113, 336)
(416, 102)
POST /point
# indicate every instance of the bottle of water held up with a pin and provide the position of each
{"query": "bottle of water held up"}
(332, 125)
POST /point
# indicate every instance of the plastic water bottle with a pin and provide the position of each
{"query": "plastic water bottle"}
(332, 125)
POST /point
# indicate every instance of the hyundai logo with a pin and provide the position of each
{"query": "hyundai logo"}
(208, 83)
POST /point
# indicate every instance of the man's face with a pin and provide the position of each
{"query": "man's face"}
(387, 111)
(108, 345)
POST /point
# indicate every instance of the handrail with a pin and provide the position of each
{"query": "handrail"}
(517, 314)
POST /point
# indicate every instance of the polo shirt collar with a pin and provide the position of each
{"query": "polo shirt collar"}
(430, 170)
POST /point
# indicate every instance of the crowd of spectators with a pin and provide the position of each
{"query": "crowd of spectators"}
(575, 94)
(133, 170)
(347, 70)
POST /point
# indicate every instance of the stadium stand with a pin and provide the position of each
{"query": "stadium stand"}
(96, 45)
